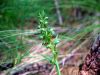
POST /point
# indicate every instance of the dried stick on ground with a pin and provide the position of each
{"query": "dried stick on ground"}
(73, 53)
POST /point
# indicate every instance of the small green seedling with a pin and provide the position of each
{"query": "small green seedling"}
(49, 41)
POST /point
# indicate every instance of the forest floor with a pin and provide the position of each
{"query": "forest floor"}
(71, 55)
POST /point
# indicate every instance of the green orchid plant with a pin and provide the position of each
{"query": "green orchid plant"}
(49, 39)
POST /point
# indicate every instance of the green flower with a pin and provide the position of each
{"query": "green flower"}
(56, 40)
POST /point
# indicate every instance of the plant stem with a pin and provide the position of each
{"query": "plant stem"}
(55, 53)
(57, 67)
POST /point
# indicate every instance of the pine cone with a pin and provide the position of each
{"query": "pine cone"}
(91, 65)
